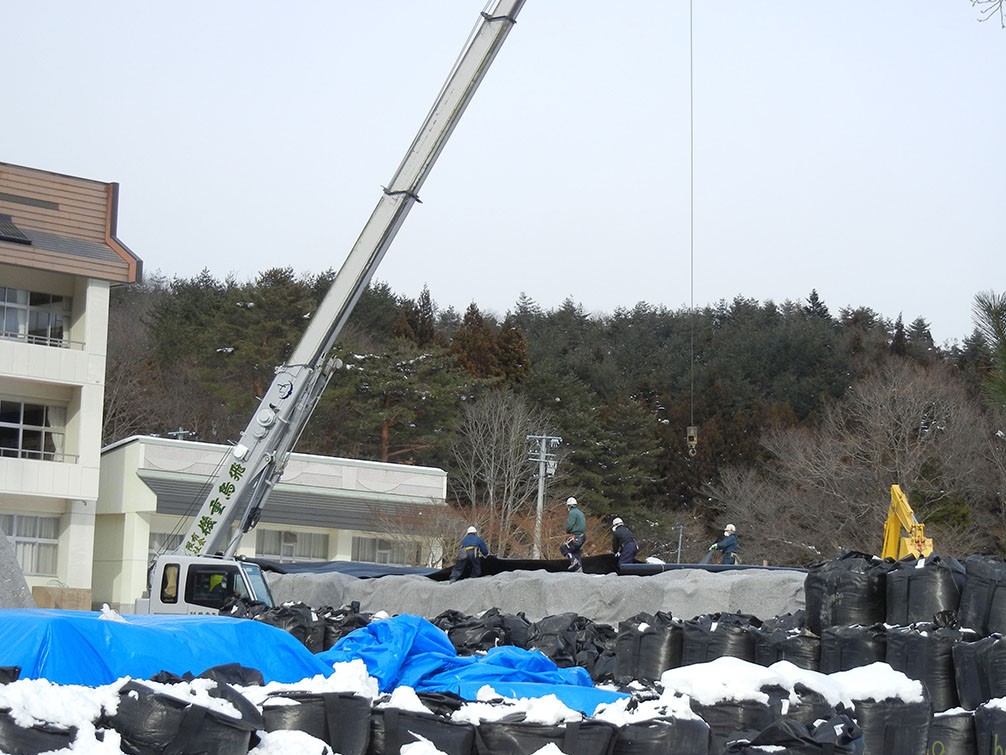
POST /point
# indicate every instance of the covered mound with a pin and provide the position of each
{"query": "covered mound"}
(604, 598)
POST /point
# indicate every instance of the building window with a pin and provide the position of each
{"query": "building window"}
(35, 540)
(285, 545)
(32, 431)
(34, 317)
(163, 542)
(378, 551)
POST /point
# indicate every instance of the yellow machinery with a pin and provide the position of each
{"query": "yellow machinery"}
(900, 517)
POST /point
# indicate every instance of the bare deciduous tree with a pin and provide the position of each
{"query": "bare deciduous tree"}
(493, 478)
(438, 527)
(829, 488)
(129, 406)
(989, 9)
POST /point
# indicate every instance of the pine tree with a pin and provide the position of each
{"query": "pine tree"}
(474, 345)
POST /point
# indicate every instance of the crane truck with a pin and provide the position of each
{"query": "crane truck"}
(202, 573)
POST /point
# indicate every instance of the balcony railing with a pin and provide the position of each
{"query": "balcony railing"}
(59, 343)
(27, 453)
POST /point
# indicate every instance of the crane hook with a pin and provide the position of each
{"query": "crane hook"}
(692, 439)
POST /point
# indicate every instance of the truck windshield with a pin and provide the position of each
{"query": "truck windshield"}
(256, 580)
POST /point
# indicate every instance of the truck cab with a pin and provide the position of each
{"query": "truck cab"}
(202, 584)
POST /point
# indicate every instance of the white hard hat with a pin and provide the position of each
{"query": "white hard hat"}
(730, 528)
(472, 530)
(571, 501)
(616, 523)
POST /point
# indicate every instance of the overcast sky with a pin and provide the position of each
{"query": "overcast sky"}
(854, 148)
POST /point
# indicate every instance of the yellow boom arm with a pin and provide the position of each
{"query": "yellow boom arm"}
(900, 517)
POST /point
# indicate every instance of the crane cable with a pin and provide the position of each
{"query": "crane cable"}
(692, 435)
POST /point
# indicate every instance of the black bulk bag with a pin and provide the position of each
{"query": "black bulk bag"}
(341, 621)
(918, 589)
(646, 646)
(798, 646)
(473, 634)
(808, 707)
(520, 737)
(555, 638)
(391, 729)
(663, 736)
(234, 674)
(9, 674)
(572, 640)
(595, 648)
(952, 734)
(848, 590)
(243, 608)
(983, 600)
(925, 652)
(300, 620)
(788, 621)
(835, 736)
(35, 739)
(980, 670)
(735, 719)
(602, 666)
(708, 637)
(893, 727)
(152, 722)
(844, 648)
(518, 627)
(990, 729)
(340, 719)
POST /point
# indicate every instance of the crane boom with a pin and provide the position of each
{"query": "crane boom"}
(256, 462)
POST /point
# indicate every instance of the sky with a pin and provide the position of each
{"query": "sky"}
(614, 154)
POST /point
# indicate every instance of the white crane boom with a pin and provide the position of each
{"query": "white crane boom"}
(256, 463)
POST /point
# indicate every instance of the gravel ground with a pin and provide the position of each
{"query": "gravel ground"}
(603, 598)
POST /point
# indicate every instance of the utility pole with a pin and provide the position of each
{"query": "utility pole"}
(543, 453)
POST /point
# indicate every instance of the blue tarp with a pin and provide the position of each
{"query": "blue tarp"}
(410, 651)
(80, 647)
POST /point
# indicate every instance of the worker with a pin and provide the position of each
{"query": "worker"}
(623, 542)
(728, 545)
(469, 563)
(576, 529)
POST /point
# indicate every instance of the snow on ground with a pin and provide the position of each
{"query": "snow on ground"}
(31, 701)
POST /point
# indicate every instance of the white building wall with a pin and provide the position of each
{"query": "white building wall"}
(127, 507)
(72, 377)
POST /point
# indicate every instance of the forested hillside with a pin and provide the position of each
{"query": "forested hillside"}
(805, 418)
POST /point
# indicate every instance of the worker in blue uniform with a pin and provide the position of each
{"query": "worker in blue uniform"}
(728, 545)
(473, 549)
(623, 542)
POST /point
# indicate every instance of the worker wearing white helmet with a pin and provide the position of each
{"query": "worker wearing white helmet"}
(576, 528)
(469, 562)
(728, 545)
(623, 542)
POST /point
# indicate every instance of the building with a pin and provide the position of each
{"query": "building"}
(59, 258)
(323, 509)
(83, 521)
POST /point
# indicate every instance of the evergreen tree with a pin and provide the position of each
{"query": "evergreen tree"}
(474, 345)
(512, 358)
(990, 321)
(899, 341)
(919, 342)
(815, 307)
